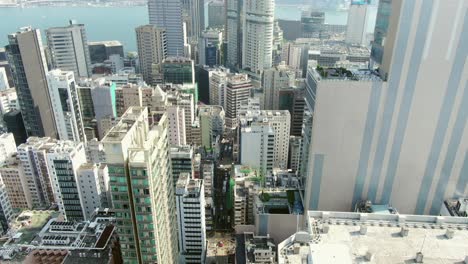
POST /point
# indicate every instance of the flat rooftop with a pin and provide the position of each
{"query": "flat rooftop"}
(128, 119)
(108, 43)
(383, 240)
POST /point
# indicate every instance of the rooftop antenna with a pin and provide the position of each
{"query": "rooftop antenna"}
(424, 241)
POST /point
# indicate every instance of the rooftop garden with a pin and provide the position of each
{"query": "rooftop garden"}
(334, 72)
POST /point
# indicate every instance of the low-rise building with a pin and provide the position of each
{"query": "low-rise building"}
(259, 249)
(43, 237)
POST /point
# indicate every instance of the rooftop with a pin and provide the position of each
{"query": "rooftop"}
(48, 233)
(181, 152)
(343, 74)
(254, 243)
(455, 207)
(387, 238)
(128, 119)
(108, 43)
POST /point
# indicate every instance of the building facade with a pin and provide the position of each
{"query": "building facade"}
(356, 30)
(141, 188)
(66, 105)
(152, 49)
(190, 197)
(28, 64)
(257, 37)
(389, 150)
(167, 14)
(69, 49)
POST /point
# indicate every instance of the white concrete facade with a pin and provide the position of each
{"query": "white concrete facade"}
(356, 29)
(69, 49)
(64, 160)
(3, 79)
(257, 45)
(190, 201)
(8, 101)
(7, 147)
(65, 105)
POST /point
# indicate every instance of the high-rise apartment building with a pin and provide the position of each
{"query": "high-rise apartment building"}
(217, 81)
(401, 141)
(257, 37)
(263, 124)
(7, 147)
(6, 211)
(356, 30)
(181, 161)
(177, 130)
(273, 80)
(103, 96)
(64, 159)
(12, 175)
(141, 186)
(190, 197)
(33, 159)
(66, 105)
(167, 14)
(152, 49)
(211, 124)
(69, 49)
(238, 91)
(28, 64)
(257, 146)
(93, 183)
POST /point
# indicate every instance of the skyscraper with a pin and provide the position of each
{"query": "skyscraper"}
(28, 64)
(141, 186)
(401, 141)
(357, 22)
(257, 37)
(381, 29)
(216, 14)
(190, 197)
(152, 49)
(69, 49)
(66, 105)
(234, 33)
(273, 80)
(167, 14)
(237, 91)
(195, 10)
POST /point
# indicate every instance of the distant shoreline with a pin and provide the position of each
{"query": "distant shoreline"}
(125, 4)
